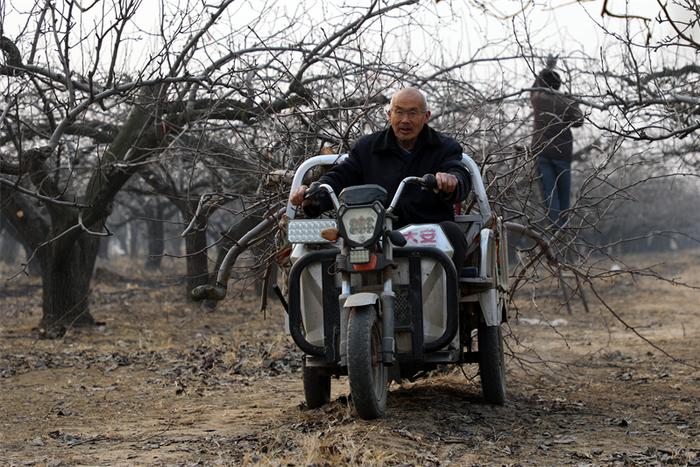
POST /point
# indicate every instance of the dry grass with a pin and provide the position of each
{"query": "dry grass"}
(165, 383)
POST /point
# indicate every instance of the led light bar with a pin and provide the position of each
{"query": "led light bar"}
(308, 230)
(359, 256)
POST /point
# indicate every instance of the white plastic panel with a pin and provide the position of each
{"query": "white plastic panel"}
(312, 303)
(311, 284)
(430, 235)
(433, 290)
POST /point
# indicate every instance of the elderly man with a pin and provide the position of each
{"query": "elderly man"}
(409, 147)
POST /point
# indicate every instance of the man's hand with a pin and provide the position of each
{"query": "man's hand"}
(297, 198)
(446, 182)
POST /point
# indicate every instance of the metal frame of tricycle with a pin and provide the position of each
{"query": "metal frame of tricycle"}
(331, 306)
(474, 174)
(483, 285)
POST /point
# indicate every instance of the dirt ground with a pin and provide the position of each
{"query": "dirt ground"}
(160, 382)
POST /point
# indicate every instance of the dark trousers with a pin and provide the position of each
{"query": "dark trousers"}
(556, 187)
(459, 243)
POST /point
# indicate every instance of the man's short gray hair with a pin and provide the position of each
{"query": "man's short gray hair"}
(416, 91)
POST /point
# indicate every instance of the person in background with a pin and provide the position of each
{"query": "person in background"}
(552, 142)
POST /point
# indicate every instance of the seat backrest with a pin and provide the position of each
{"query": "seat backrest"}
(470, 224)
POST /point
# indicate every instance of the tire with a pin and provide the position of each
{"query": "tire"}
(492, 366)
(367, 375)
(317, 387)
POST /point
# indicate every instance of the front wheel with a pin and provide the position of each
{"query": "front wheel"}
(492, 365)
(367, 374)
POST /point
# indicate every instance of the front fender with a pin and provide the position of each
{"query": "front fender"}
(489, 299)
(361, 299)
(489, 307)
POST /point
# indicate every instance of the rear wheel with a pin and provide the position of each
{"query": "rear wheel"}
(367, 375)
(317, 386)
(492, 365)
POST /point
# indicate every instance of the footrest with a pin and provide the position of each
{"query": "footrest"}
(471, 271)
(485, 281)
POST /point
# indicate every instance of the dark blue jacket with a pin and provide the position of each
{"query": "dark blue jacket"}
(377, 158)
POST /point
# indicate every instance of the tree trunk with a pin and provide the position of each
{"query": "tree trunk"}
(133, 240)
(9, 248)
(103, 251)
(197, 260)
(66, 273)
(122, 237)
(155, 238)
(11, 241)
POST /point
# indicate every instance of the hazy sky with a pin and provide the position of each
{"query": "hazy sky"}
(446, 32)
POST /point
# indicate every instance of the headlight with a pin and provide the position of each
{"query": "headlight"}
(361, 225)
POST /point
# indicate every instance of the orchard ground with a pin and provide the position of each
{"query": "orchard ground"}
(161, 382)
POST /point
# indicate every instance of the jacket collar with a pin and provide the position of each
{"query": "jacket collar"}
(387, 140)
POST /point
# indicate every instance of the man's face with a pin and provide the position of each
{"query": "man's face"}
(407, 117)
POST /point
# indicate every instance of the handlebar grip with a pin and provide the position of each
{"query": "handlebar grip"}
(396, 238)
(429, 181)
(313, 190)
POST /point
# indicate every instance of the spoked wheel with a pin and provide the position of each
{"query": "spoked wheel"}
(317, 386)
(367, 375)
(492, 365)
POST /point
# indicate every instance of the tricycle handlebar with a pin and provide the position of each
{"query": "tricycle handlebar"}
(427, 181)
(315, 188)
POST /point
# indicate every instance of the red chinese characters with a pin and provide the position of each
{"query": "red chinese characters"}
(428, 236)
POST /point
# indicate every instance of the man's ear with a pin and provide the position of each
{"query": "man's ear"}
(427, 116)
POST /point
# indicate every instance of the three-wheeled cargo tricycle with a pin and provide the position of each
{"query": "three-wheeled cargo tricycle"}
(378, 304)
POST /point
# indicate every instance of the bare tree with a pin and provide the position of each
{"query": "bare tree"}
(214, 103)
(75, 129)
